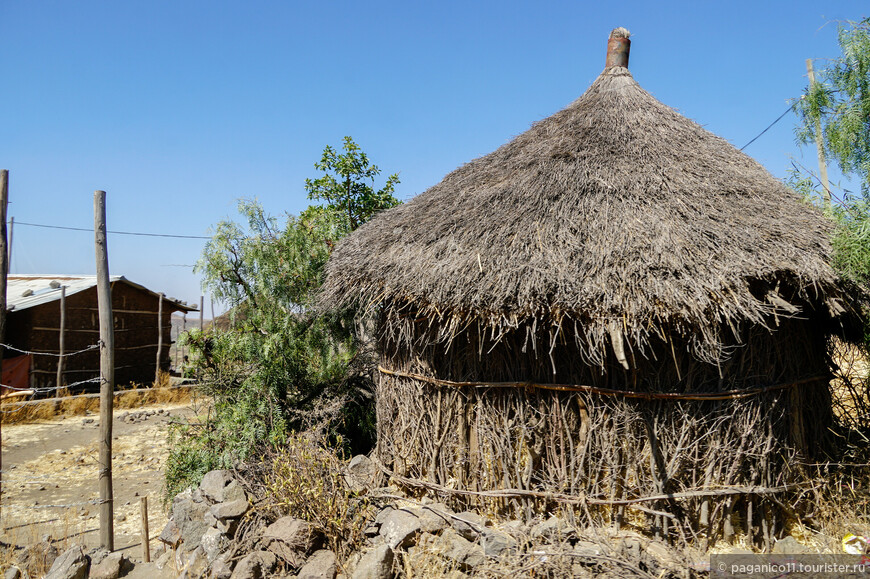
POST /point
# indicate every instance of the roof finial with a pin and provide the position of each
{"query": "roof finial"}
(618, 47)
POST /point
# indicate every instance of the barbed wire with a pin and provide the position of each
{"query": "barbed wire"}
(64, 506)
(45, 389)
(28, 352)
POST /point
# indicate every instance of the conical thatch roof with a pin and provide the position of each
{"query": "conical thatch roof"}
(615, 218)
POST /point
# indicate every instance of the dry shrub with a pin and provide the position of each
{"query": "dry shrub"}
(306, 480)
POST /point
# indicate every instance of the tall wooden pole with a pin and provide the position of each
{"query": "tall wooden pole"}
(820, 147)
(8, 252)
(60, 339)
(107, 371)
(177, 336)
(159, 338)
(4, 269)
(183, 329)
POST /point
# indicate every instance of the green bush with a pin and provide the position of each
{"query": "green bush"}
(281, 366)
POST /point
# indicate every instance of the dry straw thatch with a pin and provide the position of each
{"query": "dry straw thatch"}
(572, 314)
(616, 214)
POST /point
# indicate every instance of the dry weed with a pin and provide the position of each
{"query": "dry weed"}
(306, 480)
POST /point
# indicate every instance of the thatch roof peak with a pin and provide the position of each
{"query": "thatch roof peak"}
(615, 215)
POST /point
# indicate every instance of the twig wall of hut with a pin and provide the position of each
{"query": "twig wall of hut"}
(608, 446)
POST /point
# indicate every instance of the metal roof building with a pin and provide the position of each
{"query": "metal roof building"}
(32, 341)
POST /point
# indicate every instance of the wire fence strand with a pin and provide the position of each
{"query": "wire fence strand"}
(29, 353)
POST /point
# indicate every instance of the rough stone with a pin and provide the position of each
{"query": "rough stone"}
(789, 546)
(227, 527)
(663, 555)
(213, 544)
(234, 492)
(164, 560)
(432, 519)
(256, 565)
(195, 564)
(495, 542)
(12, 573)
(399, 528)
(376, 564)
(552, 528)
(221, 568)
(291, 539)
(230, 510)
(361, 472)
(72, 564)
(587, 549)
(112, 566)
(320, 565)
(210, 519)
(464, 553)
(371, 530)
(468, 524)
(382, 516)
(213, 484)
(189, 517)
(171, 534)
(96, 555)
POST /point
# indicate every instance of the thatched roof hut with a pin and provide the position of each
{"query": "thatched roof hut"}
(614, 246)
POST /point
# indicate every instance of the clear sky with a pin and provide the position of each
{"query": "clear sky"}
(179, 108)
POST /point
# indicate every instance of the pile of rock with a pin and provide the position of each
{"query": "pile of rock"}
(74, 563)
(204, 521)
(203, 524)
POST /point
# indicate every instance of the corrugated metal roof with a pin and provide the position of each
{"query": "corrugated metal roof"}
(27, 291)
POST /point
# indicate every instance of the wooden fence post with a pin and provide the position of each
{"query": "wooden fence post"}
(4, 269)
(107, 372)
(183, 329)
(146, 546)
(159, 338)
(60, 339)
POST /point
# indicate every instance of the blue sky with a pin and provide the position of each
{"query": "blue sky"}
(178, 109)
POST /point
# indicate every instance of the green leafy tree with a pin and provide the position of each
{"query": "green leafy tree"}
(837, 109)
(281, 364)
(839, 104)
(347, 186)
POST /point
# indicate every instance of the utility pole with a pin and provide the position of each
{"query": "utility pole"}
(820, 147)
(107, 372)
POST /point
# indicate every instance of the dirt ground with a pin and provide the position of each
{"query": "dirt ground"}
(50, 477)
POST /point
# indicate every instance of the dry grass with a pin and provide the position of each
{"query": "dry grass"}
(65, 405)
(59, 529)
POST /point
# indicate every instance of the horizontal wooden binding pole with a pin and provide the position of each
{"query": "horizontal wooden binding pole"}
(582, 499)
(700, 396)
